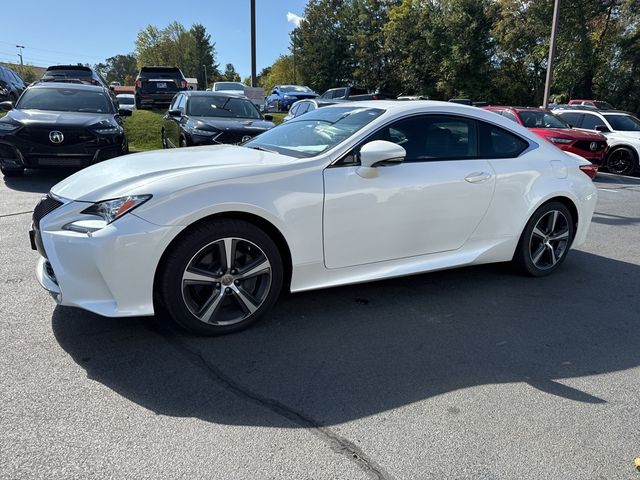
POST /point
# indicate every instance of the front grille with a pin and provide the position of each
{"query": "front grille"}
(46, 205)
(40, 135)
(586, 145)
(50, 273)
(231, 137)
(7, 151)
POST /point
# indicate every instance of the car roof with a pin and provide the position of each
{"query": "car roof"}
(68, 86)
(209, 93)
(69, 67)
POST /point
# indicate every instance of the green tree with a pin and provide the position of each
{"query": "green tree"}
(119, 68)
(230, 74)
(281, 72)
(202, 56)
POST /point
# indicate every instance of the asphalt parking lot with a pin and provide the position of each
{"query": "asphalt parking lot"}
(474, 373)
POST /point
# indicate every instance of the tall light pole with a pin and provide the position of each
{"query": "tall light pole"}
(20, 54)
(552, 51)
(206, 83)
(253, 43)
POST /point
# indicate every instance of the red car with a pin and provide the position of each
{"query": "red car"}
(591, 146)
(599, 104)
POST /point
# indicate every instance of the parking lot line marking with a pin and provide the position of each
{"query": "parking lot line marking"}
(608, 190)
(13, 214)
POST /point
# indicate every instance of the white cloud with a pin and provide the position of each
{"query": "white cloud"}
(293, 18)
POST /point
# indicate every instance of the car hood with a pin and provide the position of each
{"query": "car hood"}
(234, 124)
(569, 133)
(164, 171)
(56, 119)
(301, 96)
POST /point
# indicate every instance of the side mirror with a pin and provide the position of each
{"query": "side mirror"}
(175, 113)
(275, 92)
(602, 128)
(123, 112)
(378, 153)
(6, 106)
(268, 118)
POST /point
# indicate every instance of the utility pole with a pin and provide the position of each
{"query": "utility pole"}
(206, 83)
(552, 51)
(253, 43)
(20, 54)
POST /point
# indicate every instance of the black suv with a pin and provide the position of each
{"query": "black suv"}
(156, 86)
(60, 125)
(11, 85)
(73, 74)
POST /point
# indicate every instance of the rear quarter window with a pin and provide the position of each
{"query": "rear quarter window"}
(496, 142)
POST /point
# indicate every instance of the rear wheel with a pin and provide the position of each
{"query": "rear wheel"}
(621, 161)
(221, 277)
(183, 142)
(545, 242)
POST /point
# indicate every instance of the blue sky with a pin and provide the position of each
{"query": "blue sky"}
(73, 31)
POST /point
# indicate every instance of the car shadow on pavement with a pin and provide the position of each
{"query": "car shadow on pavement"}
(331, 356)
(37, 181)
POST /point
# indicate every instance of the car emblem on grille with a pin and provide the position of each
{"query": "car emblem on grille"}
(246, 138)
(593, 146)
(56, 137)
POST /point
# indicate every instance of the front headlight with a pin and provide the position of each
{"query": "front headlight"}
(8, 127)
(107, 128)
(204, 133)
(289, 97)
(559, 140)
(108, 210)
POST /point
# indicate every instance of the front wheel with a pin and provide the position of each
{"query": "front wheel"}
(545, 241)
(621, 161)
(221, 277)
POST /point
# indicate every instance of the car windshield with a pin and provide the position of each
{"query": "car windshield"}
(295, 88)
(65, 100)
(229, 86)
(315, 131)
(603, 105)
(540, 119)
(126, 100)
(625, 123)
(217, 106)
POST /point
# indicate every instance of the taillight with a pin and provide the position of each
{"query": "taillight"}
(376, 97)
(184, 84)
(138, 83)
(591, 170)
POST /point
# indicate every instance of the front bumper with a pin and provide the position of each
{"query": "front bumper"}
(109, 272)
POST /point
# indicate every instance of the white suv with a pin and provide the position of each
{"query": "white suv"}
(621, 129)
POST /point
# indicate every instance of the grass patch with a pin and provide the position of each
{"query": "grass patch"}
(277, 117)
(143, 130)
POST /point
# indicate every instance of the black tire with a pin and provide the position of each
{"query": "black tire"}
(622, 161)
(545, 241)
(183, 142)
(12, 172)
(231, 297)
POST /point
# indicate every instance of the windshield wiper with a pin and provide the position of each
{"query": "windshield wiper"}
(262, 149)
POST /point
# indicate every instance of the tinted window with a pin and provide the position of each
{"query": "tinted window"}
(180, 104)
(2, 75)
(432, 137)
(80, 74)
(625, 123)
(210, 106)
(339, 93)
(498, 143)
(540, 119)
(302, 108)
(572, 118)
(590, 122)
(229, 86)
(65, 100)
(294, 89)
(508, 114)
(294, 110)
(126, 100)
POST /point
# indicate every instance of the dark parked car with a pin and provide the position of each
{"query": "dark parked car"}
(209, 118)
(60, 125)
(11, 85)
(303, 106)
(354, 94)
(73, 74)
(283, 96)
(156, 86)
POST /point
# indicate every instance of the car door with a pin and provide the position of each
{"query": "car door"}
(171, 123)
(4, 85)
(430, 203)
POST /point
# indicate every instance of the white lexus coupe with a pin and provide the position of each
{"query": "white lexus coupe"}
(347, 193)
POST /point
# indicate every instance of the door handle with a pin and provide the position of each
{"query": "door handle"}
(478, 177)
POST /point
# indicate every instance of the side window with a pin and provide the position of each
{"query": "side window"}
(499, 143)
(572, 119)
(304, 107)
(339, 93)
(2, 75)
(509, 115)
(590, 122)
(294, 110)
(182, 101)
(174, 102)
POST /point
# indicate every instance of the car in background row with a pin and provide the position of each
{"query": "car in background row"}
(303, 106)
(354, 94)
(621, 129)
(11, 85)
(210, 118)
(60, 125)
(155, 87)
(126, 101)
(283, 96)
(599, 104)
(73, 74)
(589, 145)
(230, 88)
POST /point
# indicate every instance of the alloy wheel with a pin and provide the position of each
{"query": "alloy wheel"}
(621, 161)
(549, 240)
(226, 281)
